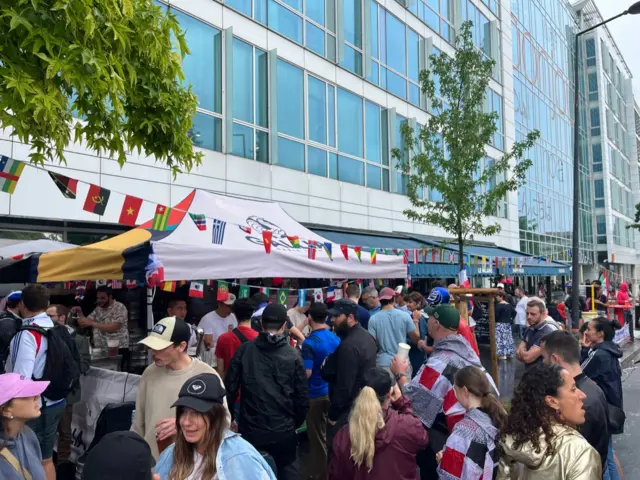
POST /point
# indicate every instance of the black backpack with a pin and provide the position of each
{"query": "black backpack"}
(63, 359)
(9, 326)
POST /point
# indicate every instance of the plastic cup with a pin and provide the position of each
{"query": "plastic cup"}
(113, 344)
(403, 351)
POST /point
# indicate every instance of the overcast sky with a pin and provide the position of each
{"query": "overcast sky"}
(626, 33)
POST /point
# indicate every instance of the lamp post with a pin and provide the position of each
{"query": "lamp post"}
(575, 250)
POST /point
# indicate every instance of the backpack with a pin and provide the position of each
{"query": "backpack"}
(62, 367)
(9, 326)
(240, 335)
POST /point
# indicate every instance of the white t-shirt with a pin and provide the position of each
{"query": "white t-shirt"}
(214, 324)
(299, 320)
(521, 311)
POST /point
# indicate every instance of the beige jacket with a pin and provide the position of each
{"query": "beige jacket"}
(574, 459)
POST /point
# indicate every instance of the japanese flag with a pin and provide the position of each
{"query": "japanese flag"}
(196, 290)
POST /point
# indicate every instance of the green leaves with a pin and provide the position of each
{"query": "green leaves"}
(112, 63)
(448, 156)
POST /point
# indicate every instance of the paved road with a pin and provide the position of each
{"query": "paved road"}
(627, 445)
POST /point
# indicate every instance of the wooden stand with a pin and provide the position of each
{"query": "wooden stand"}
(461, 295)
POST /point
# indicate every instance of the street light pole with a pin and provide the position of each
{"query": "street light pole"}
(575, 247)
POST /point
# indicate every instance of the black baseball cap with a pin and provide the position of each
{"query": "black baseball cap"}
(318, 312)
(274, 314)
(379, 379)
(344, 306)
(168, 331)
(132, 455)
(201, 393)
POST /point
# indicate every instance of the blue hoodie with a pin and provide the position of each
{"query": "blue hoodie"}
(602, 365)
(26, 449)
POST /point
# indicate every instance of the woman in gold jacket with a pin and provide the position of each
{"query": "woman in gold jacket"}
(539, 441)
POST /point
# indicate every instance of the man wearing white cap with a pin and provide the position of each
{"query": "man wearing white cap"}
(161, 382)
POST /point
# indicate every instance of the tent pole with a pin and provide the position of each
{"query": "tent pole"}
(150, 294)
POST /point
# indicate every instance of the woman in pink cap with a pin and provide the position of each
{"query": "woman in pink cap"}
(20, 456)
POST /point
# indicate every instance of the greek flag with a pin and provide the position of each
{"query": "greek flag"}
(218, 231)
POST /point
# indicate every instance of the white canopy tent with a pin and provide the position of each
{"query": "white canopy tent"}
(16, 251)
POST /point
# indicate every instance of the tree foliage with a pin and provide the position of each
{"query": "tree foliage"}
(112, 62)
(453, 145)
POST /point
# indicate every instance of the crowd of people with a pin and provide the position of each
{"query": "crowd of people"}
(389, 384)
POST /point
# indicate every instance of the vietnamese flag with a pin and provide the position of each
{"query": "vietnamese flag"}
(130, 209)
(345, 251)
(97, 199)
(267, 237)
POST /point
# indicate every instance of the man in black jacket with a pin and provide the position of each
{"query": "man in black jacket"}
(344, 369)
(274, 401)
(562, 348)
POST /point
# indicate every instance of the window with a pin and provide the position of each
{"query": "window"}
(596, 151)
(598, 187)
(590, 44)
(494, 104)
(350, 124)
(250, 83)
(436, 14)
(352, 36)
(203, 69)
(321, 100)
(601, 229)
(595, 122)
(290, 97)
(593, 87)
(481, 32)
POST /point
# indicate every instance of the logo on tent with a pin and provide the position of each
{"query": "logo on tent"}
(279, 238)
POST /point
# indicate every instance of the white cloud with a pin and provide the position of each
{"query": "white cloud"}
(626, 33)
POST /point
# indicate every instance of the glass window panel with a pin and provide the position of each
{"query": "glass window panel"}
(242, 141)
(290, 100)
(352, 60)
(374, 179)
(374, 29)
(297, 4)
(414, 94)
(262, 146)
(262, 86)
(413, 55)
(330, 13)
(332, 114)
(315, 10)
(285, 21)
(331, 48)
(315, 39)
(317, 110)
(290, 154)
(432, 19)
(260, 11)
(350, 170)
(350, 124)
(243, 6)
(385, 179)
(372, 112)
(374, 74)
(203, 67)
(353, 22)
(317, 161)
(333, 166)
(396, 84)
(242, 81)
(396, 42)
(206, 132)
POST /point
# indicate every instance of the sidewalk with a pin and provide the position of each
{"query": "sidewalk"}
(631, 352)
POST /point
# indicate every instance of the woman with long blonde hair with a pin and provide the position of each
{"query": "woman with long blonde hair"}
(205, 448)
(382, 437)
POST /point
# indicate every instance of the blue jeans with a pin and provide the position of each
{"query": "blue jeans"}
(611, 473)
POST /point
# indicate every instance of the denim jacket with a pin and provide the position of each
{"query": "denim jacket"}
(236, 459)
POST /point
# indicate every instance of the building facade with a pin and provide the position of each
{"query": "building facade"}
(301, 102)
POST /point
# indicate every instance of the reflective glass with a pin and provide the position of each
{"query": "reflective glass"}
(297, 4)
(332, 114)
(353, 22)
(285, 21)
(290, 100)
(374, 179)
(315, 10)
(290, 154)
(350, 170)
(262, 88)
(352, 60)
(242, 81)
(396, 84)
(414, 94)
(374, 28)
(315, 39)
(317, 161)
(243, 6)
(396, 43)
(413, 56)
(206, 132)
(260, 11)
(350, 124)
(372, 112)
(333, 166)
(317, 110)
(242, 141)
(203, 66)
(373, 75)
(262, 146)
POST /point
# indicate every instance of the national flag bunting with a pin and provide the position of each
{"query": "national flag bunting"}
(311, 249)
(169, 286)
(405, 256)
(302, 297)
(294, 240)
(345, 251)
(282, 296)
(358, 252)
(161, 218)
(328, 249)
(245, 229)
(10, 171)
(217, 235)
(416, 255)
(67, 186)
(267, 238)
(331, 294)
(223, 291)
(131, 284)
(97, 199)
(199, 220)
(373, 257)
(130, 210)
(243, 292)
(154, 270)
(264, 290)
(116, 284)
(433, 255)
(196, 290)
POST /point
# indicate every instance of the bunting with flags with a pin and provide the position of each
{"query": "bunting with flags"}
(311, 249)
(358, 252)
(328, 249)
(374, 258)
(267, 238)
(200, 221)
(345, 251)
(67, 186)
(294, 240)
(10, 171)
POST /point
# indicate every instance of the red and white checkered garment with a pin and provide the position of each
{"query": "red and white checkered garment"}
(470, 452)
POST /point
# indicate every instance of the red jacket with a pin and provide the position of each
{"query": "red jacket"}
(397, 444)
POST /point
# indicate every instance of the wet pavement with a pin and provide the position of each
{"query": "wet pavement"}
(626, 445)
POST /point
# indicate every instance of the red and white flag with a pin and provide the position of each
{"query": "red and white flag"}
(196, 290)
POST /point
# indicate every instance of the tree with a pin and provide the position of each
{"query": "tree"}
(453, 148)
(111, 62)
(636, 225)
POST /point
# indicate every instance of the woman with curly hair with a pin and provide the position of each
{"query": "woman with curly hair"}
(539, 440)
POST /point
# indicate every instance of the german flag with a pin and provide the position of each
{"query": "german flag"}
(67, 186)
(97, 199)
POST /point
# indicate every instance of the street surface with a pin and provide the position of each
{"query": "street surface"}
(626, 445)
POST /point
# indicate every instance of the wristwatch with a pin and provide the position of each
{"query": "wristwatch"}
(398, 376)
